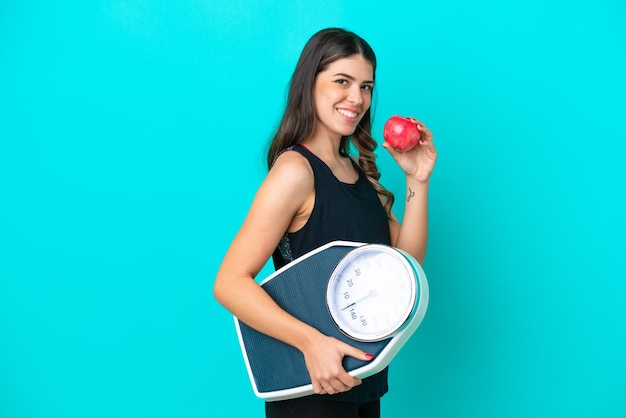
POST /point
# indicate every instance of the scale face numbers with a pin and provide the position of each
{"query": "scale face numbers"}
(371, 293)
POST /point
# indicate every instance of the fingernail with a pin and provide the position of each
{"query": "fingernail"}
(369, 356)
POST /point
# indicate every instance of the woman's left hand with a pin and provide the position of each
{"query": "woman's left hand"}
(418, 162)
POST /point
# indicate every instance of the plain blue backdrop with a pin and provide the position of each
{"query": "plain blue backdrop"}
(131, 144)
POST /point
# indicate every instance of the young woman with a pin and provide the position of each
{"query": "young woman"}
(316, 192)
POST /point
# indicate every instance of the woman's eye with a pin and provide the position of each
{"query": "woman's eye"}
(342, 82)
(368, 87)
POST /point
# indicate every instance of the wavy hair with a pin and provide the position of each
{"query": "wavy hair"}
(298, 120)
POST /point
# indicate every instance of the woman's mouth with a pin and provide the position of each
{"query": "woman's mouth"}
(347, 113)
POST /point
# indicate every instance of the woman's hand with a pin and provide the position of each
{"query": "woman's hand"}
(323, 358)
(418, 162)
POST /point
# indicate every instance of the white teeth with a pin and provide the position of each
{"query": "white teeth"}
(347, 113)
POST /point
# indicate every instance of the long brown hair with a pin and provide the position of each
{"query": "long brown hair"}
(298, 120)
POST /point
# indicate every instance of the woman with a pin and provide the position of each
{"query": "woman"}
(314, 193)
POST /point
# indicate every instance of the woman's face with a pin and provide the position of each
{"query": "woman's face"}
(342, 94)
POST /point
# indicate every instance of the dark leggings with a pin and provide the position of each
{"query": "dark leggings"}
(320, 408)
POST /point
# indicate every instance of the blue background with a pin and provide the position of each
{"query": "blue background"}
(132, 137)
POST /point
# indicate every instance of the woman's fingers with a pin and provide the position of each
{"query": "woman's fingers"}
(326, 369)
(337, 384)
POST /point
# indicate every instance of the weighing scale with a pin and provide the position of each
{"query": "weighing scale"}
(371, 296)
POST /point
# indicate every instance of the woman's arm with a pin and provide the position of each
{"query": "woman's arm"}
(284, 196)
(418, 163)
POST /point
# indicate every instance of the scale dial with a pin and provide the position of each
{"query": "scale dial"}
(372, 292)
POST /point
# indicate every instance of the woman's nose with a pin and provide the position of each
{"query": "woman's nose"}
(355, 96)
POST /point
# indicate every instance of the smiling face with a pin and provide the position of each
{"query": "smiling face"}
(342, 94)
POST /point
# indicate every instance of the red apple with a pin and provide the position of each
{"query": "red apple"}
(401, 133)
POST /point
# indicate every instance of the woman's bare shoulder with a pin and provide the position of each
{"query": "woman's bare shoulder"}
(291, 168)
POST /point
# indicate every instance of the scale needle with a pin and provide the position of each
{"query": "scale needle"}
(372, 293)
